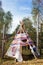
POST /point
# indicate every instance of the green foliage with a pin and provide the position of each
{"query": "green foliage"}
(31, 30)
(1, 18)
(7, 44)
(5, 19)
(37, 10)
(28, 24)
(16, 30)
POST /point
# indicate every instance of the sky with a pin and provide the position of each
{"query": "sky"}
(19, 10)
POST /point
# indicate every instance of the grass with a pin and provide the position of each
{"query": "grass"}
(29, 59)
(28, 62)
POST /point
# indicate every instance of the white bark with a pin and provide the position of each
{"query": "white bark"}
(3, 41)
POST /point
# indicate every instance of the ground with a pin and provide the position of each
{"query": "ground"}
(29, 62)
